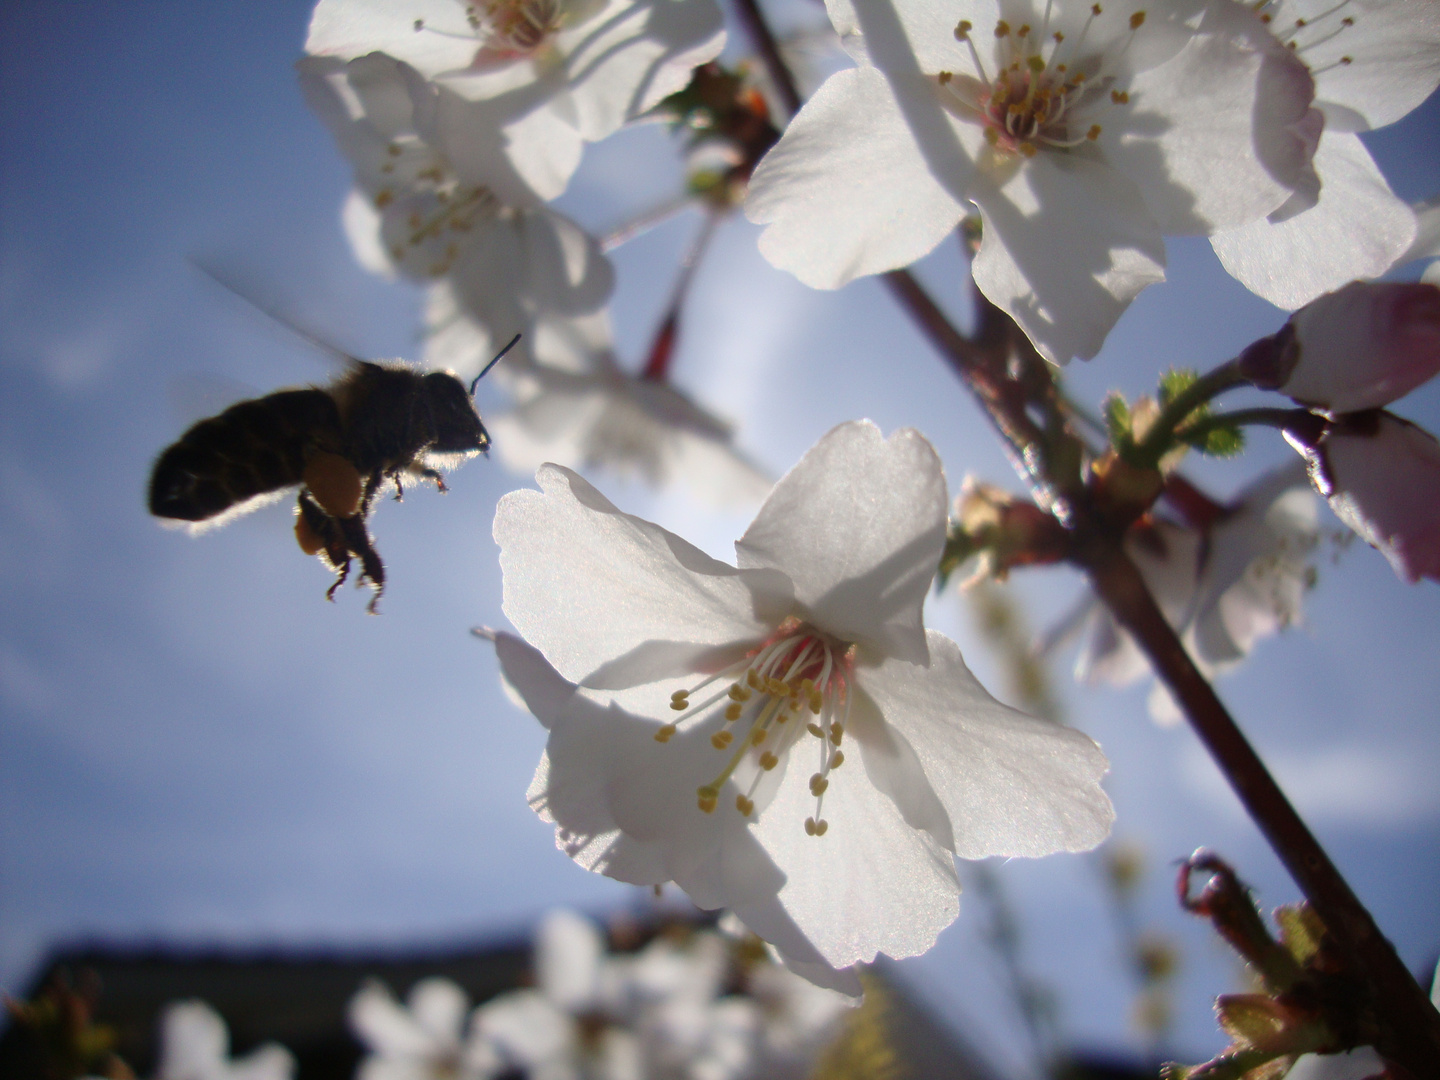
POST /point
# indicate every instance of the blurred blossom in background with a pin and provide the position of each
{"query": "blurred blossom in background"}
(197, 751)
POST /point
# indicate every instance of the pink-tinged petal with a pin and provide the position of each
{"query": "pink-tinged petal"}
(1067, 245)
(630, 54)
(1374, 60)
(589, 585)
(871, 883)
(858, 526)
(1012, 784)
(848, 191)
(1211, 138)
(1358, 229)
(1386, 486)
(351, 28)
(1364, 346)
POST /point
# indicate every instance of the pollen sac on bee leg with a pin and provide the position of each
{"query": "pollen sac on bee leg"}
(336, 541)
(334, 483)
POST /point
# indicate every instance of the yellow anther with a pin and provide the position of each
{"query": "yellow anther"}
(1036, 64)
(1093, 133)
(679, 704)
(944, 77)
(1002, 28)
(706, 797)
(776, 688)
(663, 735)
(707, 805)
(744, 805)
(1096, 9)
(818, 784)
(752, 677)
(814, 729)
(816, 702)
(733, 710)
(1137, 20)
(757, 736)
(837, 759)
(1346, 60)
(393, 149)
(383, 198)
(837, 732)
(768, 761)
(821, 826)
(1119, 97)
(739, 693)
(680, 695)
(992, 136)
(721, 739)
(962, 29)
(1027, 149)
(809, 826)
(807, 686)
(1059, 37)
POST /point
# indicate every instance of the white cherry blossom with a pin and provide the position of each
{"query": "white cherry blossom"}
(1082, 131)
(576, 406)
(1381, 475)
(699, 712)
(423, 1040)
(546, 76)
(430, 205)
(1427, 241)
(1373, 61)
(195, 1045)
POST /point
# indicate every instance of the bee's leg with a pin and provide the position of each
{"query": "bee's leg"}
(372, 485)
(341, 575)
(320, 534)
(427, 473)
(357, 539)
(399, 487)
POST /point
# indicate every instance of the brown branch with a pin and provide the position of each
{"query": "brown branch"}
(1413, 1027)
(758, 30)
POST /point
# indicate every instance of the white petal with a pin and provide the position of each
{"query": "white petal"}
(632, 53)
(1393, 47)
(384, 1026)
(870, 884)
(858, 526)
(851, 189)
(270, 1061)
(524, 1027)
(1356, 230)
(767, 917)
(193, 1041)
(439, 1008)
(524, 159)
(568, 949)
(924, 28)
(351, 28)
(1067, 245)
(587, 584)
(1012, 784)
(1208, 138)
(361, 222)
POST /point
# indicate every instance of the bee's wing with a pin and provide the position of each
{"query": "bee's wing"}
(244, 287)
(197, 395)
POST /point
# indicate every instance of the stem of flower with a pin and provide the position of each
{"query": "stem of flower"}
(1210, 385)
(1268, 417)
(758, 30)
(1411, 1034)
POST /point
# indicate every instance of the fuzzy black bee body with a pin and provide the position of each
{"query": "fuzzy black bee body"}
(377, 424)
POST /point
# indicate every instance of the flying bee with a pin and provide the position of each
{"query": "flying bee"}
(377, 425)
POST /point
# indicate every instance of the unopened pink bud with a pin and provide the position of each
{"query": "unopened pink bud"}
(1365, 345)
(1382, 477)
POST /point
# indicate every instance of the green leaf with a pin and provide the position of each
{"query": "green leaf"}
(1225, 441)
(1175, 382)
(1117, 420)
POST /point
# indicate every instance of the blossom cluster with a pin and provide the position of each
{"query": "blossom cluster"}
(462, 123)
(693, 1004)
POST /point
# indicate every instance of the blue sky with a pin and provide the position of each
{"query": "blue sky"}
(195, 748)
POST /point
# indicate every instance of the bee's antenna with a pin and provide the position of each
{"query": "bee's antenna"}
(314, 340)
(498, 356)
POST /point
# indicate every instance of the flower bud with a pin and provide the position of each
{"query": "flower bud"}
(1382, 477)
(1358, 348)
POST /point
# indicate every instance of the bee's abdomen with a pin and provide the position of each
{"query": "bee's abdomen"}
(252, 448)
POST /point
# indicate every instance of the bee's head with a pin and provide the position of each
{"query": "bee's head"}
(458, 429)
